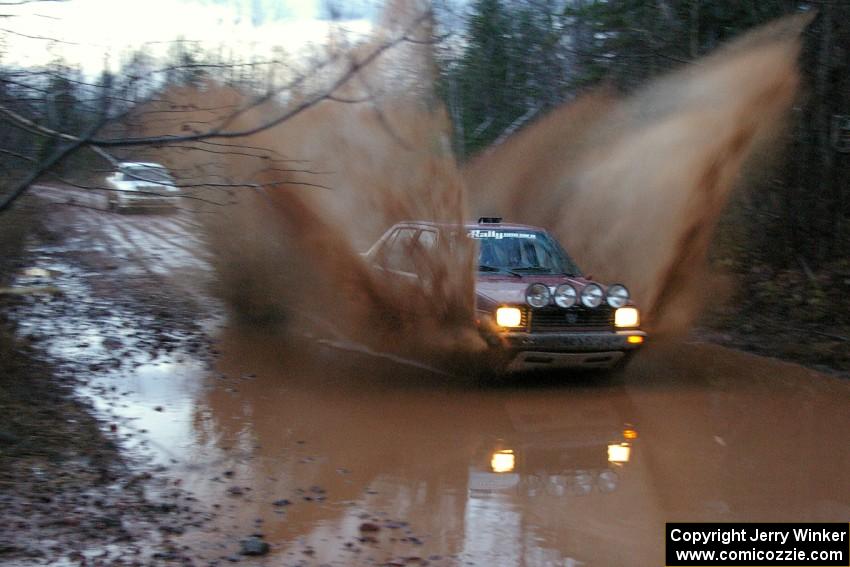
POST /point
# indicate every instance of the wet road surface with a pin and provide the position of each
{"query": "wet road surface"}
(337, 458)
(589, 472)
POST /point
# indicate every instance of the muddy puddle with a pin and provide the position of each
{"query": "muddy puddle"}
(334, 457)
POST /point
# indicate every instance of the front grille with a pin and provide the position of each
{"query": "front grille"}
(155, 190)
(572, 319)
(582, 458)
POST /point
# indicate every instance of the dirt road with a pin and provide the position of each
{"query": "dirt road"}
(334, 458)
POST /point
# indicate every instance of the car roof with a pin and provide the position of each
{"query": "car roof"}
(469, 225)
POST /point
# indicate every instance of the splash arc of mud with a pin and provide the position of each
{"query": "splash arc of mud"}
(635, 187)
(632, 186)
(328, 182)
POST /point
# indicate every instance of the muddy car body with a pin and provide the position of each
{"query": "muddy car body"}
(141, 185)
(533, 306)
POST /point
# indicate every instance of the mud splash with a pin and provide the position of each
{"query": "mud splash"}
(633, 187)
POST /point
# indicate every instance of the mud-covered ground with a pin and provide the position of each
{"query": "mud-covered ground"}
(70, 495)
(140, 429)
(790, 314)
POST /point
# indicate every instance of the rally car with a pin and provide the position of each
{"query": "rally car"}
(141, 185)
(534, 308)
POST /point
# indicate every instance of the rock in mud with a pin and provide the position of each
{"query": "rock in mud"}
(254, 546)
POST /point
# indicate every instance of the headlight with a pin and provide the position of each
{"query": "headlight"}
(619, 453)
(626, 317)
(508, 317)
(591, 295)
(566, 295)
(618, 295)
(537, 295)
(502, 461)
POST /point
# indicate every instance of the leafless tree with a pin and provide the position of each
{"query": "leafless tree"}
(51, 115)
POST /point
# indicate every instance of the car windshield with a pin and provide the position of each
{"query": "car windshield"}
(152, 174)
(521, 252)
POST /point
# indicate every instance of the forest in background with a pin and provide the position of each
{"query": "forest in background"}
(524, 57)
(785, 238)
(501, 65)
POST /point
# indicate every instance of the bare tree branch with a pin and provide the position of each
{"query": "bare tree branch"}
(46, 165)
(16, 155)
(212, 136)
(31, 126)
(39, 37)
(219, 132)
(22, 2)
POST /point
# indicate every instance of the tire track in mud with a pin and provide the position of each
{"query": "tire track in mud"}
(160, 246)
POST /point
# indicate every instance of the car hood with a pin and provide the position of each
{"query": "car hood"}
(511, 289)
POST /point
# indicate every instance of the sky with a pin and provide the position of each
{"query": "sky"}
(94, 33)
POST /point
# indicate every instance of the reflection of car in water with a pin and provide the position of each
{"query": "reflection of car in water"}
(418, 450)
(141, 185)
(556, 454)
(570, 468)
(533, 306)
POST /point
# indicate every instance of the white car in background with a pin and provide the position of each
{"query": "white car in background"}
(141, 185)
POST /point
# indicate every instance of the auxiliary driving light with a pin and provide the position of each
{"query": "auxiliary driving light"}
(618, 296)
(626, 317)
(538, 295)
(591, 295)
(565, 295)
(508, 317)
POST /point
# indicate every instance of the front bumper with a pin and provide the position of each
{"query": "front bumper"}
(153, 203)
(588, 349)
(147, 202)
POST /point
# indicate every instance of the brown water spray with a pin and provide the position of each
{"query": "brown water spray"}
(632, 187)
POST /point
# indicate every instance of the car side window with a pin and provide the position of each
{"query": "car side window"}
(398, 255)
(428, 240)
